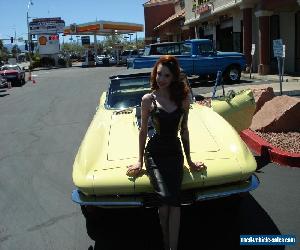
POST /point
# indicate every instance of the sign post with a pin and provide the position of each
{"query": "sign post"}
(252, 54)
(278, 52)
(283, 58)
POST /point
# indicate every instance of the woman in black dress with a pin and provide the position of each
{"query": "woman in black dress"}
(168, 107)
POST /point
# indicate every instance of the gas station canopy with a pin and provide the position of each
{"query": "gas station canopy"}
(103, 28)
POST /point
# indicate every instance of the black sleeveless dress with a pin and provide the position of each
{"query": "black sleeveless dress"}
(163, 155)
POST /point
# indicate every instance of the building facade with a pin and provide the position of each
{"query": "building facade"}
(234, 25)
(156, 12)
(164, 21)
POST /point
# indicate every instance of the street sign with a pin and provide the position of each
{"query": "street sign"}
(253, 49)
(279, 52)
(252, 54)
(48, 44)
(277, 48)
(46, 26)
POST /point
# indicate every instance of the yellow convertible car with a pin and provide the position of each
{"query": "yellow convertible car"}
(111, 144)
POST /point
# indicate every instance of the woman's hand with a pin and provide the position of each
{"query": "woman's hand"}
(197, 166)
(134, 170)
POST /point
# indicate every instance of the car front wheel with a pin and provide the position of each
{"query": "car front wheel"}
(232, 74)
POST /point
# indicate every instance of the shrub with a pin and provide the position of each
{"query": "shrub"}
(47, 61)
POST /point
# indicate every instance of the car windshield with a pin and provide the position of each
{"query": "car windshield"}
(127, 92)
(10, 68)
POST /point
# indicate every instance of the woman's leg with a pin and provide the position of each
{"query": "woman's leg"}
(174, 226)
(163, 212)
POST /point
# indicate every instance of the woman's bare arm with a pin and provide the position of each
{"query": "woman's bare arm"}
(185, 138)
(134, 170)
(184, 131)
(145, 112)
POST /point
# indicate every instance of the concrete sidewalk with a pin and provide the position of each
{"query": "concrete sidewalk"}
(256, 76)
(290, 88)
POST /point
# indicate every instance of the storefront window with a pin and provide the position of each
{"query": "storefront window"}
(274, 32)
(274, 35)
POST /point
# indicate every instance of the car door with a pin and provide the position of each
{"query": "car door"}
(185, 58)
(205, 61)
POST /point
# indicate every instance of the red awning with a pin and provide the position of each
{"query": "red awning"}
(172, 18)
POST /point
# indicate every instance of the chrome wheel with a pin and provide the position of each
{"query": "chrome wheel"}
(234, 74)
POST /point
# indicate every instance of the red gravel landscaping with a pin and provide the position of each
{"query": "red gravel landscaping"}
(289, 141)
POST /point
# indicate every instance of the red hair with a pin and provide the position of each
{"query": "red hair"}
(178, 87)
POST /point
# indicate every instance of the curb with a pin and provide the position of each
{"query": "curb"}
(273, 77)
(269, 152)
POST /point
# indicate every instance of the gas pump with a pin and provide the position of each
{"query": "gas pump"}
(89, 57)
(118, 48)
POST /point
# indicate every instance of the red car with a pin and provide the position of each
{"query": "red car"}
(13, 74)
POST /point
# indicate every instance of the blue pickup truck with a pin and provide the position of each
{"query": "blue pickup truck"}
(196, 57)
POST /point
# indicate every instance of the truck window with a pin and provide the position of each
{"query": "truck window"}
(174, 50)
(205, 48)
(170, 49)
(185, 49)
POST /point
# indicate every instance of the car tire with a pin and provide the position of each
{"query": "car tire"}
(237, 199)
(95, 219)
(19, 83)
(232, 74)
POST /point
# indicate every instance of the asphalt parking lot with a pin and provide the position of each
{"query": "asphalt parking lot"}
(41, 128)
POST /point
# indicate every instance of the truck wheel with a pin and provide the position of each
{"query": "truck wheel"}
(232, 75)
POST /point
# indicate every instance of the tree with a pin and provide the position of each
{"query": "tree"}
(70, 48)
(140, 43)
(3, 52)
(1, 45)
(15, 50)
(111, 40)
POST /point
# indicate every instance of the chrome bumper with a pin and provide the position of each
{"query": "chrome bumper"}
(138, 201)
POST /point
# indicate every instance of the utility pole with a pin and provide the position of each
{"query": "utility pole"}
(29, 36)
(136, 43)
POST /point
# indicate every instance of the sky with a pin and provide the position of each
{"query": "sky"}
(13, 13)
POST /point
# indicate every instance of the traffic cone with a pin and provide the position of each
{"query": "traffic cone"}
(32, 79)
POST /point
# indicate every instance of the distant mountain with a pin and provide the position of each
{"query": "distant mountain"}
(9, 47)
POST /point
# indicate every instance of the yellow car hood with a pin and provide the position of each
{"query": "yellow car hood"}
(111, 144)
